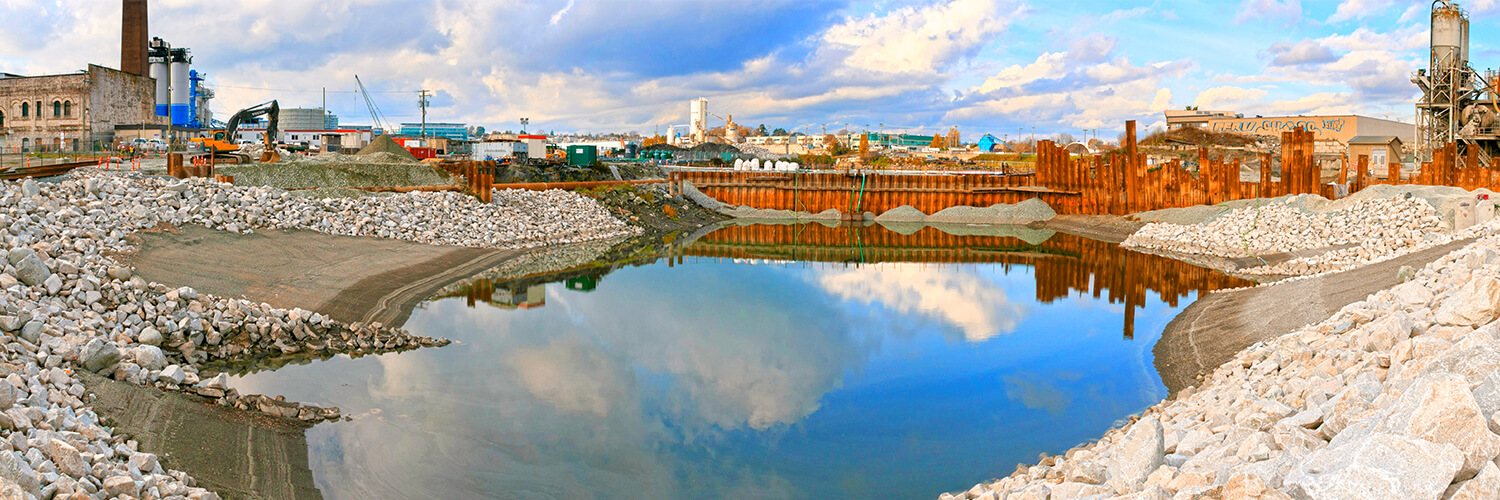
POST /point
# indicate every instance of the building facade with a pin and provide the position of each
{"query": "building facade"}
(454, 131)
(71, 112)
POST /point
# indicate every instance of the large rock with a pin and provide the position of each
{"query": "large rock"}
(1477, 302)
(1485, 486)
(67, 459)
(31, 270)
(98, 355)
(17, 470)
(150, 336)
(1439, 408)
(1136, 455)
(150, 357)
(1243, 487)
(118, 486)
(1378, 465)
(30, 188)
(172, 374)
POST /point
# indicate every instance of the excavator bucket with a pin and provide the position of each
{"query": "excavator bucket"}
(270, 155)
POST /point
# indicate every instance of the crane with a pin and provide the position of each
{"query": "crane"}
(374, 111)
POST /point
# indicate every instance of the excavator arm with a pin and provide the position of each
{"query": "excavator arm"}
(224, 144)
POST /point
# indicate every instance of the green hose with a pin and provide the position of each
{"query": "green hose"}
(859, 206)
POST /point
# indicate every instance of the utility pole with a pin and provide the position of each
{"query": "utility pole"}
(324, 109)
(423, 102)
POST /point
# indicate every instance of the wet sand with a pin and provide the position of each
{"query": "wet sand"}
(1212, 330)
(346, 277)
(238, 454)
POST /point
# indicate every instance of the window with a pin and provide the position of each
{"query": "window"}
(25, 109)
(56, 109)
(2, 119)
(68, 108)
(25, 142)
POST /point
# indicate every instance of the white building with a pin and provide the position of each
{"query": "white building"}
(313, 139)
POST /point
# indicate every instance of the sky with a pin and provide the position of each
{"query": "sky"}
(984, 66)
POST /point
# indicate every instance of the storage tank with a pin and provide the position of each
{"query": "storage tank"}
(181, 87)
(1450, 36)
(159, 62)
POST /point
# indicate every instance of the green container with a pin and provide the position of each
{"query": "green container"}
(582, 156)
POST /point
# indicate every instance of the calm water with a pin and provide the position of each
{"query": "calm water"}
(857, 372)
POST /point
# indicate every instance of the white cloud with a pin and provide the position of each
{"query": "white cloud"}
(919, 40)
(1227, 97)
(978, 308)
(1359, 9)
(1304, 52)
(559, 15)
(1286, 10)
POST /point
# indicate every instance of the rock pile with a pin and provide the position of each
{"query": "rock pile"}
(66, 306)
(515, 219)
(1396, 396)
(1367, 230)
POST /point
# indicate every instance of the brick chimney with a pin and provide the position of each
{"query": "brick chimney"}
(133, 38)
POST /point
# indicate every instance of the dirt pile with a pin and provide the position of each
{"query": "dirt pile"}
(384, 144)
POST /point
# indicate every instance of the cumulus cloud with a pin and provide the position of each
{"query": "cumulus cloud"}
(1303, 52)
(919, 39)
(977, 308)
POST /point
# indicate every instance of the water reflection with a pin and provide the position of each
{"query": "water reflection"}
(853, 370)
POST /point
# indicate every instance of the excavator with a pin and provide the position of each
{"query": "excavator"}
(222, 146)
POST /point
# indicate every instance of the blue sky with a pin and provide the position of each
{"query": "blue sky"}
(994, 66)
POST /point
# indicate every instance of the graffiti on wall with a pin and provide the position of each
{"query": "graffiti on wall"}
(1275, 126)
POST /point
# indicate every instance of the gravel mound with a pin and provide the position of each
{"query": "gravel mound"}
(1393, 396)
(661, 147)
(1371, 228)
(336, 172)
(384, 144)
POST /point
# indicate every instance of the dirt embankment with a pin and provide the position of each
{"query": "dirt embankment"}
(1212, 330)
(348, 278)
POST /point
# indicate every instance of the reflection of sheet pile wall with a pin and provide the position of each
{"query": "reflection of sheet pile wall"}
(1063, 264)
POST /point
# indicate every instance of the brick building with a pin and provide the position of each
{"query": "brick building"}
(69, 112)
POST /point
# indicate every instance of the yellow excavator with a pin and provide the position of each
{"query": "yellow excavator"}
(221, 147)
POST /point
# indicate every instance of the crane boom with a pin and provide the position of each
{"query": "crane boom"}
(374, 111)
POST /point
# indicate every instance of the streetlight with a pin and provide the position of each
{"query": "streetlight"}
(524, 123)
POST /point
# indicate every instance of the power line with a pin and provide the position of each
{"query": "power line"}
(315, 90)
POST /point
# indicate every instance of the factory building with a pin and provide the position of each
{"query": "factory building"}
(153, 94)
(72, 111)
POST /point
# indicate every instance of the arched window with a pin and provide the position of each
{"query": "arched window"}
(2, 119)
(67, 108)
(56, 109)
(25, 109)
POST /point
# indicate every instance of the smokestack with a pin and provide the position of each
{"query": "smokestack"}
(133, 38)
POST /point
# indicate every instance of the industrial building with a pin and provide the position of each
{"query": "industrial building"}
(70, 112)
(1331, 133)
(307, 119)
(1458, 102)
(153, 94)
(451, 131)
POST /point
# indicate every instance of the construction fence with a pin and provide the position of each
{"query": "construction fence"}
(1118, 183)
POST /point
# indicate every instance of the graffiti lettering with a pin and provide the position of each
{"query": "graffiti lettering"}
(1272, 126)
